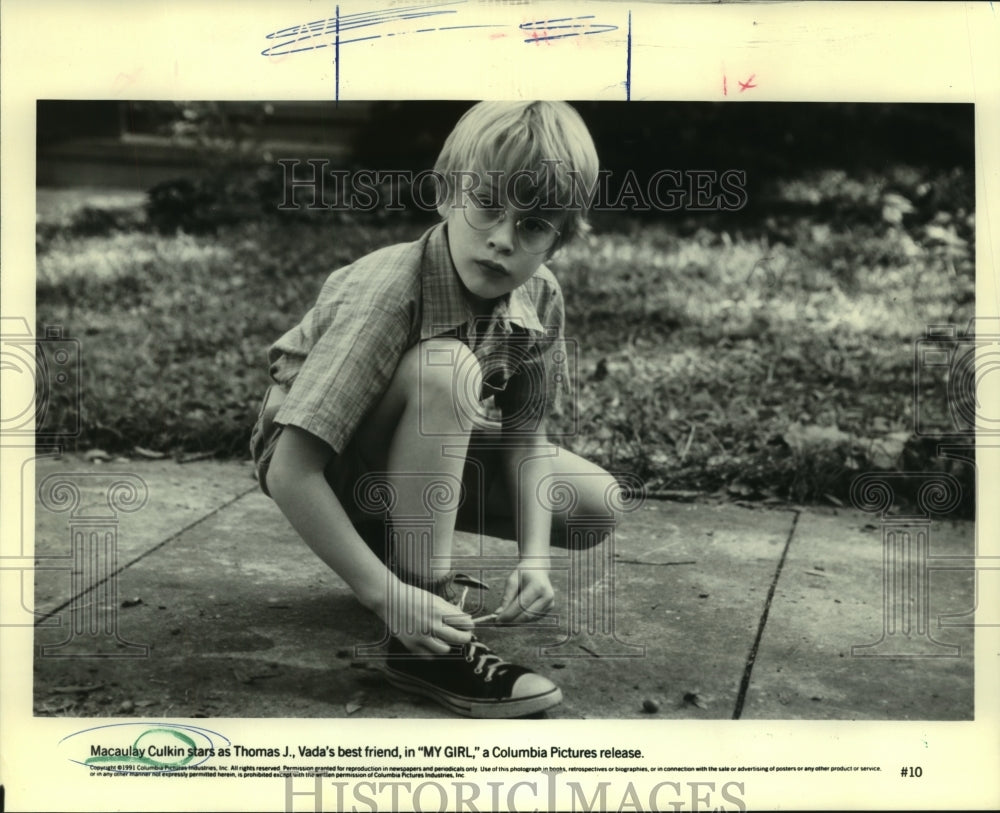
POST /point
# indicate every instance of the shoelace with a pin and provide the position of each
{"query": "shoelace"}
(487, 659)
(461, 605)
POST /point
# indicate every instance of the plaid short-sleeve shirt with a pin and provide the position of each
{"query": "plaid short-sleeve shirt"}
(338, 361)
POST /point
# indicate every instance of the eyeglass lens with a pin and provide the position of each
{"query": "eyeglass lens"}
(534, 233)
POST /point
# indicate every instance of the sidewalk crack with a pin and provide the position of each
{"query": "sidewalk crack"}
(752, 657)
(143, 555)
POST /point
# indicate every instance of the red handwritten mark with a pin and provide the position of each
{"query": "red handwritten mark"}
(277, 59)
(725, 89)
(123, 80)
(748, 84)
(497, 36)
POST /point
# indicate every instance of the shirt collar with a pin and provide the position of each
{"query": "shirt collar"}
(444, 303)
(521, 311)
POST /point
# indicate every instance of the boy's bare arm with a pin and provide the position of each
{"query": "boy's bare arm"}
(527, 460)
(296, 482)
(528, 593)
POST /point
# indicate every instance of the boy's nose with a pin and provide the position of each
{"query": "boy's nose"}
(501, 237)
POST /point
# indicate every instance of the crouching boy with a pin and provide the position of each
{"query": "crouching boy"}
(422, 375)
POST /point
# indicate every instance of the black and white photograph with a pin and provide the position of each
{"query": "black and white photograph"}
(471, 451)
(728, 502)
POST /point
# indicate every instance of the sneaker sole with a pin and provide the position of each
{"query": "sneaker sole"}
(468, 707)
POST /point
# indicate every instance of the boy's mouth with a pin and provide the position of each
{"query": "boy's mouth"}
(493, 267)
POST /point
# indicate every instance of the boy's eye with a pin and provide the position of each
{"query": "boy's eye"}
(535, 225)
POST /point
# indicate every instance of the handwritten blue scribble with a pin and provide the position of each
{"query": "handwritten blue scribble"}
(562, 24)
(336, 31)
(343, 29)
(628, 61)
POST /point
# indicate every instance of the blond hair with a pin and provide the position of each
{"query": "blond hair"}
(544, 147)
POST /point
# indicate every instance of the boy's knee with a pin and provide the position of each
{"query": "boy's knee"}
(445, 375)
(596, 496)
(590, 512)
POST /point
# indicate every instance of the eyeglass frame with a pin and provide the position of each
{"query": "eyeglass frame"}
(517, 226)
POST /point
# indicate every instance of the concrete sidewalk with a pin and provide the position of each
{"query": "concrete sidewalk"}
(699, 611)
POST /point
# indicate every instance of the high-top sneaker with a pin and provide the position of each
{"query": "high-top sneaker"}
(471, 679)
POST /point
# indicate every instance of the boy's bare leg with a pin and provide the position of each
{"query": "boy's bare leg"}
(418, 435)
(573, 485)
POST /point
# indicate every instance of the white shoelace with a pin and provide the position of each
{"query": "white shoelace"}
(487, 659)
(461, 605)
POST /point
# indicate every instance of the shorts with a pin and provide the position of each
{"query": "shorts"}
(344, 471)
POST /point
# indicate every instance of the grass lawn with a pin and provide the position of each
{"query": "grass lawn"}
(762, 358)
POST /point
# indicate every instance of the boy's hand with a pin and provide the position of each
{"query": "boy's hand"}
(527, 596)
(424, 622)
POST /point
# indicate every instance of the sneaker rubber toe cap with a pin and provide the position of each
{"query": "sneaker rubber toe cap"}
(531, 685)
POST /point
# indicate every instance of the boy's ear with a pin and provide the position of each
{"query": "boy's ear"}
(444, 206)
(560, 244)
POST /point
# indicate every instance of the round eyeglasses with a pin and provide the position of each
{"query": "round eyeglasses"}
(534, 234)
